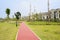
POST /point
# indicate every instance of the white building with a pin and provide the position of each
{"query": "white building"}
(54, 13)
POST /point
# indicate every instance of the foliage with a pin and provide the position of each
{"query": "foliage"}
(56, 20)
(46, 32)
(43, 23)
(8, 31)
(18, 15)
(8, 12)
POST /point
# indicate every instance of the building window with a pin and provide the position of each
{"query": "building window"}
(59, 15)
(47, 17)
(55, 11)
(55, 14)
(59, 11)
(43, 17)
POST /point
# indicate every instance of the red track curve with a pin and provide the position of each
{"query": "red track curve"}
(25, 33)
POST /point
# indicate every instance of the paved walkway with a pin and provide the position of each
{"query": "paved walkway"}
(25, 33)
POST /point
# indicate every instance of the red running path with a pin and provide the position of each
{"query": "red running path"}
(25, 33)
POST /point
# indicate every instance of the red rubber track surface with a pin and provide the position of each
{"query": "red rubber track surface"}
(25, 33)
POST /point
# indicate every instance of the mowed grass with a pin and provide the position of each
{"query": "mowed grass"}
(45, 32)
(8, 31)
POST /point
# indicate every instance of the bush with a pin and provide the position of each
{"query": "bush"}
(56, 20)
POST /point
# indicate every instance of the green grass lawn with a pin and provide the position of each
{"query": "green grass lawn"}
(43, 23)
(8, 31)
(46, 32)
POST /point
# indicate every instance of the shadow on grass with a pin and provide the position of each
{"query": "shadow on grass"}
(45, 30)
(56, 32)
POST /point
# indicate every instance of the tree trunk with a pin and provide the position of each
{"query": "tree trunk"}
(16, 23)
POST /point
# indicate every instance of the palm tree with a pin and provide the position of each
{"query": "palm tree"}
(18, 16)
(8, 12)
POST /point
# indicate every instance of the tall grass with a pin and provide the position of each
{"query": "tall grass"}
(45, 32)
(7, 31)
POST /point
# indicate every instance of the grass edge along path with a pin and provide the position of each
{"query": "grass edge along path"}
(45, 32)
(34, 32)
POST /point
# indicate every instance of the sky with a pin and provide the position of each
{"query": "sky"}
(23, 6)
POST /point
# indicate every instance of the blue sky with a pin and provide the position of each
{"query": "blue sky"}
(23, 6)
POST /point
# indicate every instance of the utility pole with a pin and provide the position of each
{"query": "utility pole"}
(30, 13)
(34, 9)
(48, 11)
(48, 5)
(33, 14)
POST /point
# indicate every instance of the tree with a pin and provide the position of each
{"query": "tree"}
(18, 15)
(8, 12)
(36, 16)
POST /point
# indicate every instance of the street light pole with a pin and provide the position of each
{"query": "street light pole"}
(48, 10)
(48, 5)
(30, 12)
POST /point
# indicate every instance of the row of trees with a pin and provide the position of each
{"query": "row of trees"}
(40, 17)
(17, 15)
(34, 17)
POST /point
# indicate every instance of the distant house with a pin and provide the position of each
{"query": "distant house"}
(54, 13)
(45, 15)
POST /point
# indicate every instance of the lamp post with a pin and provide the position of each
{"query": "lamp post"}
(48, 5)
(49, 11)
(30, 13)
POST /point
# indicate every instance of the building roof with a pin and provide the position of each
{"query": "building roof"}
(44, 13)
